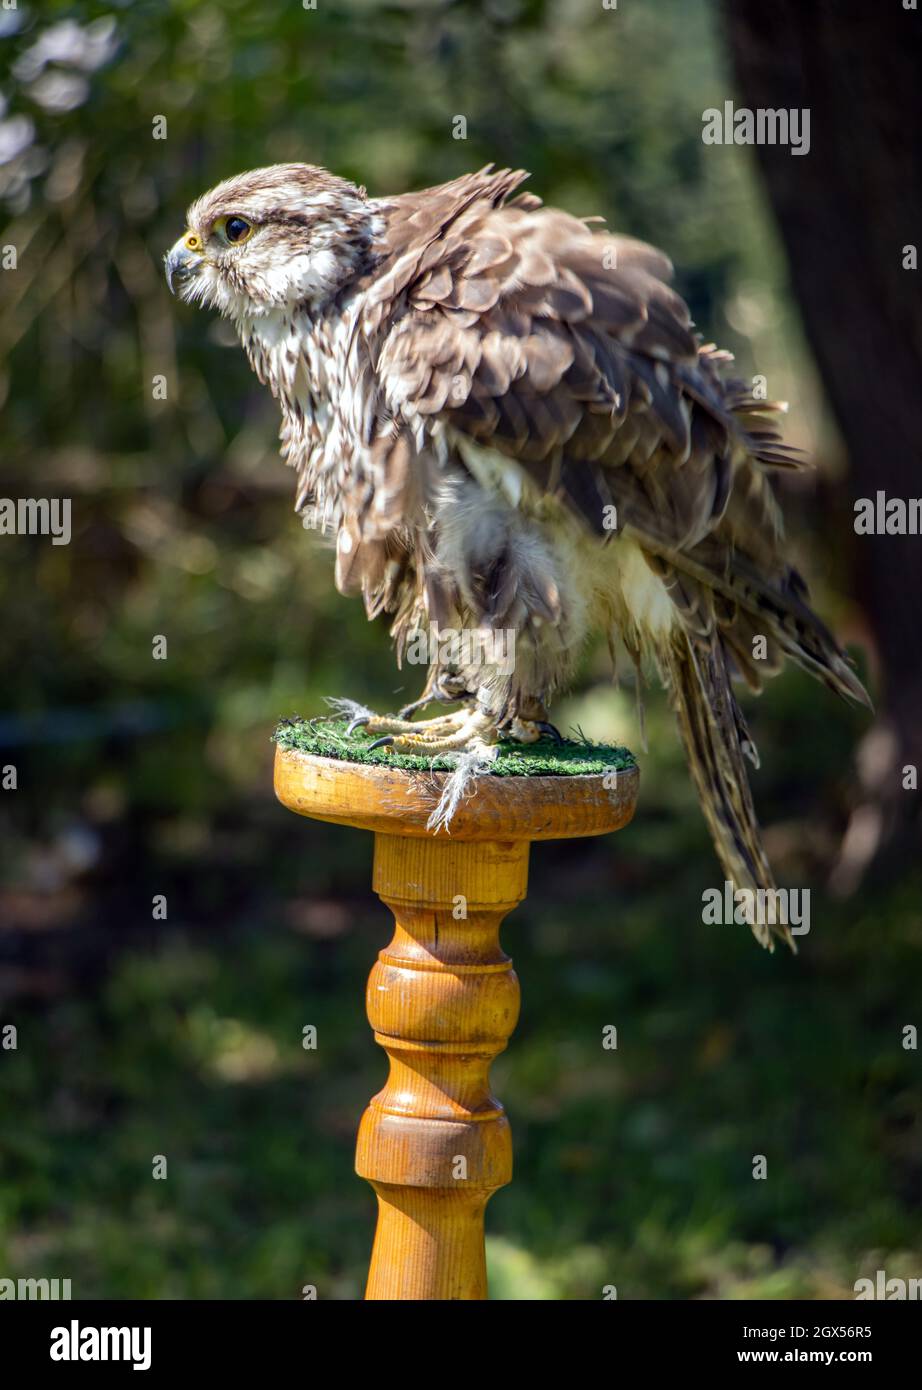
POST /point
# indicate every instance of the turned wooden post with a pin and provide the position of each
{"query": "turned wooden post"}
(443, 997)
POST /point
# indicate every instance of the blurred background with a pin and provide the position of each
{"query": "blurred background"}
(142, 1034)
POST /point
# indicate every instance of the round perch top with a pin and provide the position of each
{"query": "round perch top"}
(539, 791)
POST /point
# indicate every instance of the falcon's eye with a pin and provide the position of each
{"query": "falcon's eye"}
(233, 229)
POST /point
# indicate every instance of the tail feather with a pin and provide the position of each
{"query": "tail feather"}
(716, 742)
(793, 626)
(775, 605)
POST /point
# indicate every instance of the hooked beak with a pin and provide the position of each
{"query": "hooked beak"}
(182, 261)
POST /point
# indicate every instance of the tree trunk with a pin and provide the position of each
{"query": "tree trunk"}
(846, 211)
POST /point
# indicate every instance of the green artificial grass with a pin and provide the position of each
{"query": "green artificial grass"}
(327, 738)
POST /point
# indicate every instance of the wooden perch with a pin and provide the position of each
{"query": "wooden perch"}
(443, 998)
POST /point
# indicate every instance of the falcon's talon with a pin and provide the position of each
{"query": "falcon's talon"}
(358, 722)
(551, 730)
(460, 732)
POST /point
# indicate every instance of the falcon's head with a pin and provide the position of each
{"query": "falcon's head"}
(273, 238)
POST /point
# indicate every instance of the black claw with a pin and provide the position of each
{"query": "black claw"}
(551, 730)
(357, 723)
(381, 742)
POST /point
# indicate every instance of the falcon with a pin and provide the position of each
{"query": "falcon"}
(503, 417)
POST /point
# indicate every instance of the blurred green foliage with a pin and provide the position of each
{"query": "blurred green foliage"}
(140, 777)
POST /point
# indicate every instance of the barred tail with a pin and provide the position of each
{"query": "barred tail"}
(716, 740)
